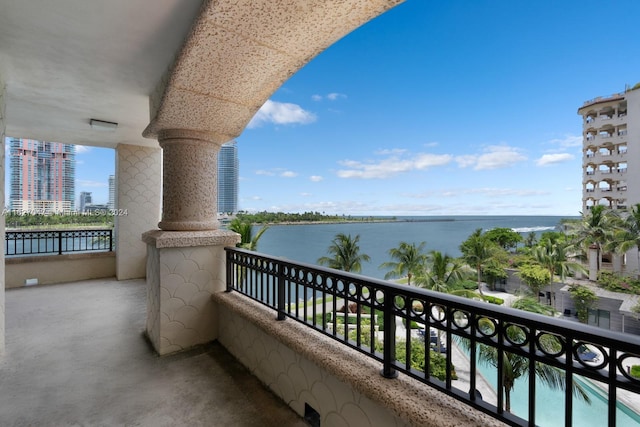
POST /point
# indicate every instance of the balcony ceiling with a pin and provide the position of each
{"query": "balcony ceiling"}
(67, 61)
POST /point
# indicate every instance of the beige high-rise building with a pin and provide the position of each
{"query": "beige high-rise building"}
(611, 158)
(611, 151)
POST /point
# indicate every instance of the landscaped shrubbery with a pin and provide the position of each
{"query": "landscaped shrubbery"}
(438, 363)
(615, 283)
(493, 300)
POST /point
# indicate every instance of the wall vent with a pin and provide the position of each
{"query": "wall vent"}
(311, 416)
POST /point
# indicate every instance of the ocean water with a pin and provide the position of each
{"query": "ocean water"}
(308, 242)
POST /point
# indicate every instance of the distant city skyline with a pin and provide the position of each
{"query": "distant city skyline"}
(228, 173)
(41, 176)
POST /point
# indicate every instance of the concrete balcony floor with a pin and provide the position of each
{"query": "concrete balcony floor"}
(75, 355)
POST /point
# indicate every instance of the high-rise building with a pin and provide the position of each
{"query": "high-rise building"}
(42, 176)
(112, 192)
(611, 160)
(611, 151)
(228, 178)
(85, 200)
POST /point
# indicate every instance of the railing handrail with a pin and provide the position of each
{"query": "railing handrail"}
(478, 306)
(57, 241)
(246, 268)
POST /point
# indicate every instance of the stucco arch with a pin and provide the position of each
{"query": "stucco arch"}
(239, 52)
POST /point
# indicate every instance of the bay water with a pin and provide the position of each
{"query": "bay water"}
(308, 242)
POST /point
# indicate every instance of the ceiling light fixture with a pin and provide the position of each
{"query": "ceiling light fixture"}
(102, 125)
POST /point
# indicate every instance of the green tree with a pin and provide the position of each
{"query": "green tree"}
(345, 254)
(583, 300)
(408, 259)
(535, 276)
(628, 235)
(532, 305)
(440, 272)
(530, 240)
(555, 258)
(477, 251)
(506, 238)
(594, 229)
(245, 230)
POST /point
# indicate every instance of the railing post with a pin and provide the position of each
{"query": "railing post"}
(111, 240)
(389, 345)
(59, 242)
(229, 266)
(281, 296)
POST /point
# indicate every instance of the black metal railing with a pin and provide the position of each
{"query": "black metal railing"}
(21, 243)
(399, 325)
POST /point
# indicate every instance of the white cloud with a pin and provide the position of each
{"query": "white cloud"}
(316, 178)
(288, 174)
(494, 157)
(391, 166)
(265, 172)
(482, 191)
(281, 113)
(390, 151)
(568, 141)
(81, 149)
(553, 159)
(305, 194)
(335, 96)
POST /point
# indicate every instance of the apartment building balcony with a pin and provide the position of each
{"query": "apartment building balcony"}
(604, 174)
(613, 155)
(613, 192)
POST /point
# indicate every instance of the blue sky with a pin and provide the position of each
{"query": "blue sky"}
(456, 107)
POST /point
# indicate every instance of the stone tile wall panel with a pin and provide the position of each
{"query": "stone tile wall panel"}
(138, 190)
(2, 197)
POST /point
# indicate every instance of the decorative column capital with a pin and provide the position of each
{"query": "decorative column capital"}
(167, 136)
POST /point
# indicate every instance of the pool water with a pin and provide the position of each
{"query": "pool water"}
(550, 404)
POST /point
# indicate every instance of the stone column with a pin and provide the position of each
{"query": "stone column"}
(185, 259)
(137, 205)
(190, 181)
(2, 197)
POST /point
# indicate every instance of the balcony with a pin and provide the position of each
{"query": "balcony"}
(299, 296)
(75, 355)
(110, 375)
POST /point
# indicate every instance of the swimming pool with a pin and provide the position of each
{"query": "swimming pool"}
(550, 406)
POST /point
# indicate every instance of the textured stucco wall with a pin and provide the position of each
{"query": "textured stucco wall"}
(345, 387)
(2, 173)
(180, 282)
(59, 268)
(138, 194)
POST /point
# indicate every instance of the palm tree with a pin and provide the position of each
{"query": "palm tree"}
(245, 230)
(345, 253)
(595, 229)
(477, 251)
(556, 259)
(408, 259)
(628, 236)
(530, 240)
(440, 272)
(515, 366)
